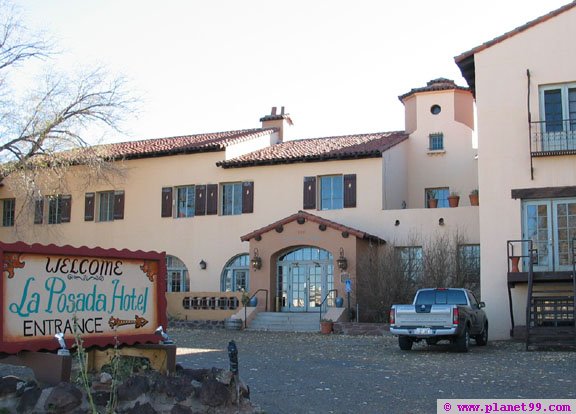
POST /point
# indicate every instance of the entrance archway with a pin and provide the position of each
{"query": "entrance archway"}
(304, 276)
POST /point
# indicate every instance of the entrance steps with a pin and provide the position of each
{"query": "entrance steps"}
(286, 322)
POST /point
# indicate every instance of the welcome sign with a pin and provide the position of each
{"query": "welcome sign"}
(102, 296)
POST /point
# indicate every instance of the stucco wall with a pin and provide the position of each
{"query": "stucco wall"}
(549, 52)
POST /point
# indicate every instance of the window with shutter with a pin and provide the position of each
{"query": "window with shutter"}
(167, 202)
(350, 190)
(309, 193)
(200, 200)
(212, 199)
(231, 199)
(89, 207)
(119, 205)
(247, 197)
(38, 211)
(66, 205)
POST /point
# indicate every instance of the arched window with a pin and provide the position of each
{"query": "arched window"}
(178, 279)
(236, 274)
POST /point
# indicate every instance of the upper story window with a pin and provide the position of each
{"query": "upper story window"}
(59, 207)
(186, 197)
(108, 204)
(231, 199)
(330, 192)
(558, 114)
(440, 194)
(436, 142)
(8, 212)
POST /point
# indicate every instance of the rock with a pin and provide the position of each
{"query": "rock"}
(225, 377)
(63, 397)
(181, 409)
(214, 393)
(199, 375)
(29, 399)
(11, 386)
(101, 397)
(132, 388)
(105, 378)
(142, 409)
(178, 387)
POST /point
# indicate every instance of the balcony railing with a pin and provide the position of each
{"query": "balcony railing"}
(553, 137)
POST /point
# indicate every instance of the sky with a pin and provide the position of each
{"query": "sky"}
(337, 66)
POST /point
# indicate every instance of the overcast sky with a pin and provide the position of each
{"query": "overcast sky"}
(337, 66)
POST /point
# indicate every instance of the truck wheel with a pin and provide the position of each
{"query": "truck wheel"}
(482, 339)
(463, 341)
(405, 343)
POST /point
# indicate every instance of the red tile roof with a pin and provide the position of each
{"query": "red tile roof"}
(320, 149)
(440, 84)
(514, 32)
(215, 141)
(303, 215)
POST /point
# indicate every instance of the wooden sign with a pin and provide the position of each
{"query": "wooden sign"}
(100, 296)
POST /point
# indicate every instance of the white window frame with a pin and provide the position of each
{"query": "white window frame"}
(187, 204)
(236, 205)
(105, 210)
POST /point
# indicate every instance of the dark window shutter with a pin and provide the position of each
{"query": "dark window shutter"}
(350, 190)
(212, 199)
(309, 193)
(89, 207)
(119, 205)
(66, 205)
(167, 202)
(200, 200)
(39, 211)
(247, 197)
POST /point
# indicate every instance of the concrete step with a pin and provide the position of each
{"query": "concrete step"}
(286, 322)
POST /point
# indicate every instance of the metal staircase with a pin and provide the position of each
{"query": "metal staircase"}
(551, 313)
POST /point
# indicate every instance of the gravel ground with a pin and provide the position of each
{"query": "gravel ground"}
(313, 373)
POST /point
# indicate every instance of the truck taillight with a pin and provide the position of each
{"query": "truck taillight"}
(455, 316)
(392, 317)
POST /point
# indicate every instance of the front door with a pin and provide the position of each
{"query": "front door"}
(551, 225)
(304, 278)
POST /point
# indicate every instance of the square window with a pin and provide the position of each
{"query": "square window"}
(412, 262)
(9, 207)
(436, 142)
(440, 193)
(331, 192)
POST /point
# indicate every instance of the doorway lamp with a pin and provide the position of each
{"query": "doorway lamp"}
(342, 261)
(256, 260)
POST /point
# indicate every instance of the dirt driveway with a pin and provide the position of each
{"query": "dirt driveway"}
(312, 373)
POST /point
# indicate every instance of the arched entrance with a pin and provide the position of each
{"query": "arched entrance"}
(304, 277)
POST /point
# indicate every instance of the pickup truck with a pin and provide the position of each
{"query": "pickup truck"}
(440, 314)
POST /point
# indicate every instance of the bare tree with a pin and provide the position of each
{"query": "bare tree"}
(44, 131)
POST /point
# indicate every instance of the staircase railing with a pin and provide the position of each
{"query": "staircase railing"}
(325, 299)
(251, 297)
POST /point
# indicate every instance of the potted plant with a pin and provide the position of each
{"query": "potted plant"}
(474, 198)
(326, 326)
(431, 198)
(453, 199)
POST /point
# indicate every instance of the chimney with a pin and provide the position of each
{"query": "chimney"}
(281, 121)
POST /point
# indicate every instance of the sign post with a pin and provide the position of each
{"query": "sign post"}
(348, 286)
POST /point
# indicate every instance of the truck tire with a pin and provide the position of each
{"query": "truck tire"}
(463, 341)
(405, 343)
(482, 339)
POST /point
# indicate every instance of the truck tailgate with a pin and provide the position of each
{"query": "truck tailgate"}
(435, 315)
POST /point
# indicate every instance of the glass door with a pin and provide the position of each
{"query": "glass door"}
(537, 227)
(551, 225)
(298, 288)
(315, 287)
(565, 226)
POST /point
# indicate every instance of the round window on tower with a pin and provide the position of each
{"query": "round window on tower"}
(435, 109)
